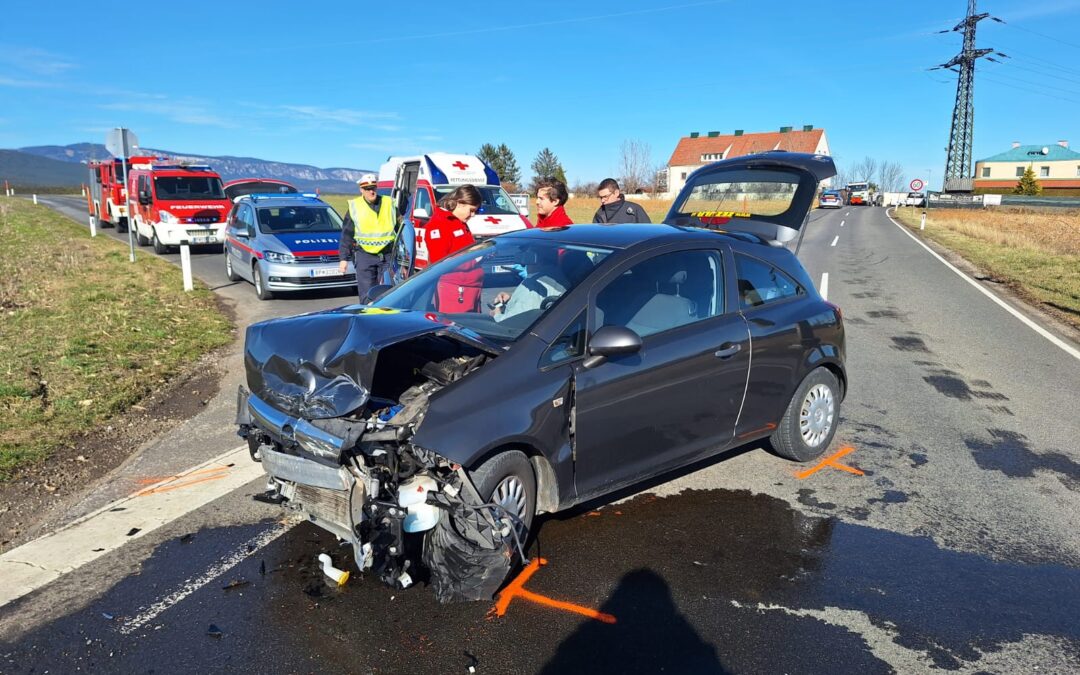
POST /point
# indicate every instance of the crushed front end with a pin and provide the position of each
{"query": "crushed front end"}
(406, 511)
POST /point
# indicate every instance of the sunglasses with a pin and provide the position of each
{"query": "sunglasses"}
(370, 188)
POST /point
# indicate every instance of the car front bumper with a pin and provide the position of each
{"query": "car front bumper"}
(174, 234)
(298, 276)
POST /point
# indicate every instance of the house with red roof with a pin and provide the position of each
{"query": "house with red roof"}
(697, 150)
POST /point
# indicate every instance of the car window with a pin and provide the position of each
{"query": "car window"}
(569, 345)
(277, 220)
(663, 292)
(761, 283)
(423, 201)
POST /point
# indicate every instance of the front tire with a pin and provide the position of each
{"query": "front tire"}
(809, 423)
(460, 568)
(229, 271)
(159, 248)
(262, 291)
(139, 238)
(121, 225)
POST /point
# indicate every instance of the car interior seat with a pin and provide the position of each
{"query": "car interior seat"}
(664, 310)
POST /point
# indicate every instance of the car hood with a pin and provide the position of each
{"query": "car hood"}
(305, 244)
(321, 365)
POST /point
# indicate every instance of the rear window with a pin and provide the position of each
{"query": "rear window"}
(739, 194)
(276, 220)
(258, 188)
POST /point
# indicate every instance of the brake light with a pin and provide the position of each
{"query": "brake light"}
(836, 308)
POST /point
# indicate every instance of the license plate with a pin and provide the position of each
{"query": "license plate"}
(325, 272)
(202, 240)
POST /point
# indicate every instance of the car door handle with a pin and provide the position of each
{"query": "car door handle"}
(727, 350)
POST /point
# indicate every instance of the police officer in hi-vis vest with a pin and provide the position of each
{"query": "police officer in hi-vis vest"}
(367, 235)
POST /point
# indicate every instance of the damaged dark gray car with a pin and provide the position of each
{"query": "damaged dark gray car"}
(575, 361)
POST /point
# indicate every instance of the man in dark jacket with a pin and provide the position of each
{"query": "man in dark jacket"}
(614, 208)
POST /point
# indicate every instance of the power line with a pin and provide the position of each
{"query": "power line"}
(1029, 90)
(1035, 85)
(1045, 63)
(1042, 35)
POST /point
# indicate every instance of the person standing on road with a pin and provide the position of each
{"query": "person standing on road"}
(447, 233)
(551, 196)
(367, 235)
(614, 208)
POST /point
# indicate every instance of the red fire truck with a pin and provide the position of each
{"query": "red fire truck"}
(107, 198)
(173, 202)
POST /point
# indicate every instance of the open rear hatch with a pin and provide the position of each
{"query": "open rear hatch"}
(767, 194)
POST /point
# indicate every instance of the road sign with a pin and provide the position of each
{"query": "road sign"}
(917, 185)
(121, 142)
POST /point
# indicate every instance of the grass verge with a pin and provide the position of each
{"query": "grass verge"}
(1037, 253)
(84, 333)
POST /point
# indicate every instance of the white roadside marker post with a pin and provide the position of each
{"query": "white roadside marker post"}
(185, 264)
(93, 226)
(922, 224)
(35, 200)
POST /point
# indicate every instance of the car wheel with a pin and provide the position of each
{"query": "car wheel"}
(259, 280)
(159, 248)
(121, 225)
(811, 418)
(229, 271)
(507, 479)
(462, 569)
(139, 238)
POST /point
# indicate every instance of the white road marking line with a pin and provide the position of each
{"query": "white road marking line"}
(835, 240)
(36, 563)
(1004, 305)
(842, 223)
(824, 286)
(192, 584)
(848, 213)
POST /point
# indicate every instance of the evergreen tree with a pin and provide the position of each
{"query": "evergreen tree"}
(546, 165)
(501, 159)
(1028, 185)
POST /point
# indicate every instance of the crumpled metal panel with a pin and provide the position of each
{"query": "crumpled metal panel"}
(320, 365)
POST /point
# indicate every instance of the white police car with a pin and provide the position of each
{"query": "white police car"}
(284, 243)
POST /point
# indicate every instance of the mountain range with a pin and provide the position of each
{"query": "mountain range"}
(62, 166)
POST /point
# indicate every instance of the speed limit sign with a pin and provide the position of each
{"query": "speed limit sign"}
(916, 185)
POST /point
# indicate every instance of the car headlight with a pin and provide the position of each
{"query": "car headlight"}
(274, 256)
(168, 218)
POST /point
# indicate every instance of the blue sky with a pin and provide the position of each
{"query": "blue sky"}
(348, 83)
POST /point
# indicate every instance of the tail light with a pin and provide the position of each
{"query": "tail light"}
(836, 307)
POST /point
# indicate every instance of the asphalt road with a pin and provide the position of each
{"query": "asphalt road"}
(954, 547)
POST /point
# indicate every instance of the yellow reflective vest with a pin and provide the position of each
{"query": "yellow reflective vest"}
(372, 232)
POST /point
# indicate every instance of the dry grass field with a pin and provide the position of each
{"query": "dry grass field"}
(1035, 252)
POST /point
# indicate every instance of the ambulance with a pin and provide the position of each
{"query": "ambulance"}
(416, 184)
(172, 203)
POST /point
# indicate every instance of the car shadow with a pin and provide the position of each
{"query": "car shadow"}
(650, 635)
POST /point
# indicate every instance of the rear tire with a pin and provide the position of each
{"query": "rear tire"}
(261, 289)
(122, 225)
(809, 423)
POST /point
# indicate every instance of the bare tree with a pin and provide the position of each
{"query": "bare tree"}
(891, 176)
(865, 169)
(635, 166)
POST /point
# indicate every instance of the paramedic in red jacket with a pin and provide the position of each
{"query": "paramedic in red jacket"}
(447, 233)
(551, 196)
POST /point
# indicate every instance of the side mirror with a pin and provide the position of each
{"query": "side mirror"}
(611, 341)
(376, 292)
(144, 197)
(420, 213)
(250, 231)
(524, 210)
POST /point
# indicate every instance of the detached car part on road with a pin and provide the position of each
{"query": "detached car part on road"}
(606, 355)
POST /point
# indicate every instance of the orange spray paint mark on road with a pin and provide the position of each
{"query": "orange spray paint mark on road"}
(768, 427)
(516, 589)
(158, 479)
(831, 461)
(208, 475)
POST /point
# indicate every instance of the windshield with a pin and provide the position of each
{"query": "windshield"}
(718, 198)
(275, 220)
(495, 201)
(500, 287)
(188, 187)
(258, 188)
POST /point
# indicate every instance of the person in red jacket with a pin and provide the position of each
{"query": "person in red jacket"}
(551, 196)
(446, 233)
